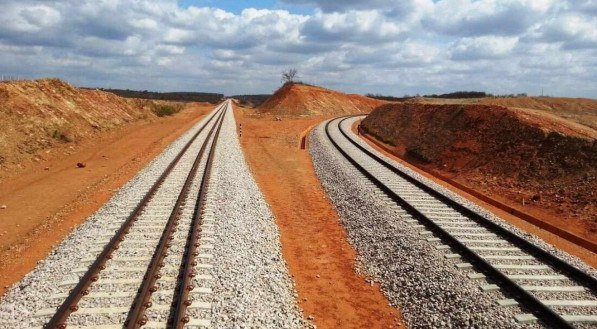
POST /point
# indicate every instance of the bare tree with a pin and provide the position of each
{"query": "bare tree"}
(289, 75)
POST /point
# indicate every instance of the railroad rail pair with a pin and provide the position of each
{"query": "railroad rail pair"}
(529, 275)
(142, 302)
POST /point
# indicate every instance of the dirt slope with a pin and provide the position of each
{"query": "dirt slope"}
(304, 100)
(582, 111)
(35, 115)
(512, 154)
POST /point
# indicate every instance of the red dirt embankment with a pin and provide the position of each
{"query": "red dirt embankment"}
(37, 115)
(545, 167)
(302, 100)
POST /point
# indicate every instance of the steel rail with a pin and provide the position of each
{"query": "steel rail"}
(70, 304)
(180, 318)
(540, 310)
(136, 317)
(577, 274)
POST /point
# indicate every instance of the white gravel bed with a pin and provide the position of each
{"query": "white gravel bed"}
(252, 287)
(430, 291)
(28, 296)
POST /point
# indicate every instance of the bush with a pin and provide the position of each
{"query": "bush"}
(62, 134)
(163, 110)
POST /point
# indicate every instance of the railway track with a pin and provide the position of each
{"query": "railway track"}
(545, 287)
(153, 270)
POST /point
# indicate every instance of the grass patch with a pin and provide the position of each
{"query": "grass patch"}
(62, 134)
(162, 110)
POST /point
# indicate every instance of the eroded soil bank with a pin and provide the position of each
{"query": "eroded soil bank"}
(37, 115)
(544, 167)
(314, 244)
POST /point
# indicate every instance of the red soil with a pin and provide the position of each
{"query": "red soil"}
(302, 100)
(314, 245)
(542, 166)
(581, 112)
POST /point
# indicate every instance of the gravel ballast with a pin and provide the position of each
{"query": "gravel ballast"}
(252, 286)
(416, 277)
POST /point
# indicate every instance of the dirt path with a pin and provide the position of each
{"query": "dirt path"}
(314, 242)
(44, 205)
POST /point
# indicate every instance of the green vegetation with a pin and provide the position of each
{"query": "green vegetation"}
(62, 136)
(454, 95)
(163, 110)
(169, 96)
(251, 100)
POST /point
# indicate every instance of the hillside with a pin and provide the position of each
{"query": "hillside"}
(526, 158)
(296, 99)
(35, 115)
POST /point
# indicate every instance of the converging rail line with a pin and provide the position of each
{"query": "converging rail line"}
(546, 287)
(147, 272)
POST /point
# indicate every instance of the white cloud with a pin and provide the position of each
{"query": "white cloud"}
(486, 47)
(391, 47)
(573, 31)
(484, 17)
(28, 19)
(368, 26)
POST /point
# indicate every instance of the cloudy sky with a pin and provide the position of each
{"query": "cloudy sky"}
(236, 46)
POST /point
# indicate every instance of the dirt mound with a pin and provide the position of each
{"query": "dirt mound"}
(302, 100)
(512, 154)
(34, 115)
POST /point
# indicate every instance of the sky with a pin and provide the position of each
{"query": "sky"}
(241, 47)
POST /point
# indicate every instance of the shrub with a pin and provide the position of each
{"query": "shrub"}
(163, 110)
(62, 134)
